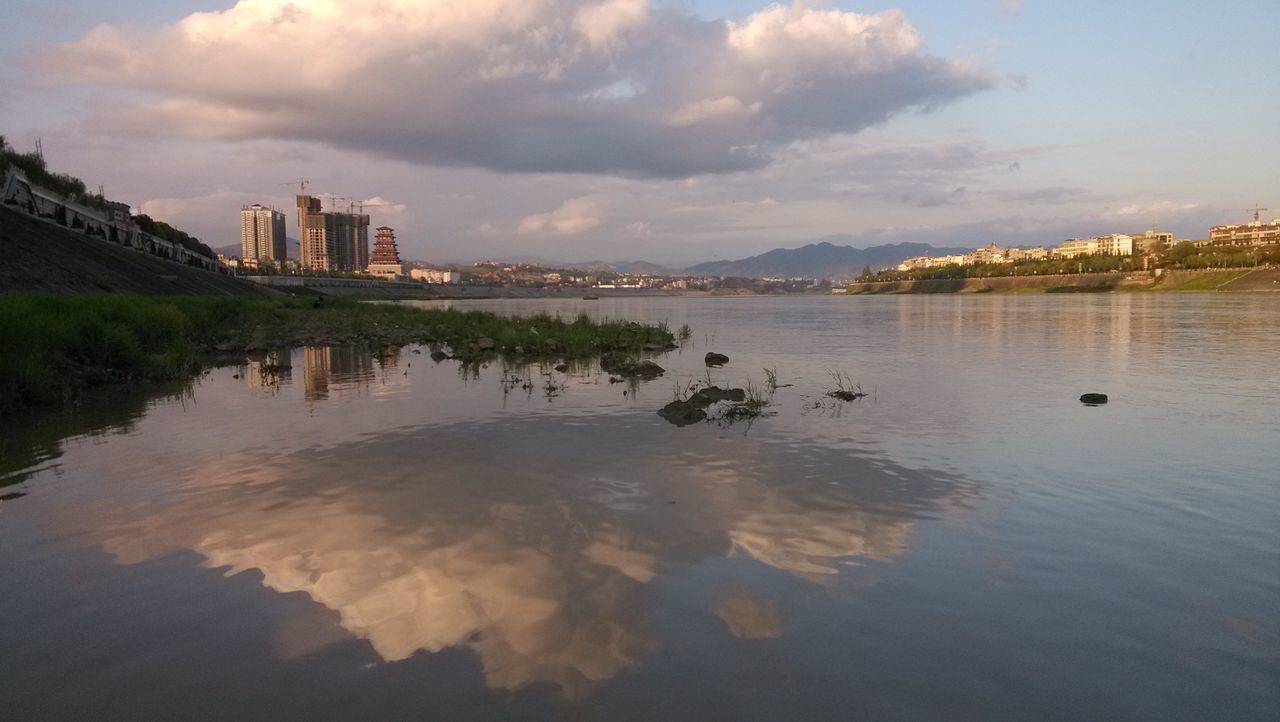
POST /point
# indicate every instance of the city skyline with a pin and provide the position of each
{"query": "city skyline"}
(802, 121)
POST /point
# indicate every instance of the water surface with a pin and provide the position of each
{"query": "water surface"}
(326, 534)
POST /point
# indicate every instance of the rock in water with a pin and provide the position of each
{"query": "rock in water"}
(716, 359)
(682, 413)
(1093, 399)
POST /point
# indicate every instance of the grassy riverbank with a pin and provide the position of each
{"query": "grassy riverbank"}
(56, 347)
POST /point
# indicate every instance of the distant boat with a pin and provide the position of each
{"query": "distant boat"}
(591, 298)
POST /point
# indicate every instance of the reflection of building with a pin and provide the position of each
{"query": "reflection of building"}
(262, 235)
(268, 371)
(323, 365)
(385, 262)
(332, 241)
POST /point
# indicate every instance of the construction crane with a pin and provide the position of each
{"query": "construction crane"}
(1257, 212)
(333, 200)
(301, 183)
(365, 204)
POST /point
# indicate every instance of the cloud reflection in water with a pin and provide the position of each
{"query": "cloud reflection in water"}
(533, 541)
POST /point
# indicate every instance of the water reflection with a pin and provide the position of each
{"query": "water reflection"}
(487, 536)
(29, 443)
(347, 370)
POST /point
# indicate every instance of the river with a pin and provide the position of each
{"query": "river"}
(325, 534)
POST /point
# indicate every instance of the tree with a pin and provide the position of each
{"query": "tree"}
(1181, 251)
(866, 274)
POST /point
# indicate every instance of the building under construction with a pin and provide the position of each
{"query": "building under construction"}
(332, 241)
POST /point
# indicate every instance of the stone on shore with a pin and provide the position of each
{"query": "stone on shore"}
(716, 359)
(1093, 399)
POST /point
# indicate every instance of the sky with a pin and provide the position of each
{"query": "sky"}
(664, 130)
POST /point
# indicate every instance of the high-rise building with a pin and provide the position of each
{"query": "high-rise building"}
(386, 256)
(332, 241)
(262, 236)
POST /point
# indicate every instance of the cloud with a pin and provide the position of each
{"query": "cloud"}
(574, 216)
(1010, 7)
(593, 86)
(1161, 208)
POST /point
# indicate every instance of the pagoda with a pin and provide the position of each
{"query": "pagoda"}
(385, 261)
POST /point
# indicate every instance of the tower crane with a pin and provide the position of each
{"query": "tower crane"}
(1257, 212)
(302, 185)
(333, 200)
(365, 204)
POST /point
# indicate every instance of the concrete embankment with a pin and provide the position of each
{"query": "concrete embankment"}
(1208, 280)
(1080, 282)
(43, 257)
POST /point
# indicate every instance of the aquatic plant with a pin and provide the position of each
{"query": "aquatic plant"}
(57, 346)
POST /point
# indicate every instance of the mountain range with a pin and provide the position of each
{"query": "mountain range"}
(822, 259)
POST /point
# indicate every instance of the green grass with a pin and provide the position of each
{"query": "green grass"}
(55, 347)
(1208, 281)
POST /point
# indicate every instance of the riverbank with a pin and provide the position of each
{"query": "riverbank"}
(41, 257)
(58, 346)
(1260, 279)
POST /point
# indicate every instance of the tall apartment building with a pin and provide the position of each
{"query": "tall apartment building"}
(332, 241)
(262, 235)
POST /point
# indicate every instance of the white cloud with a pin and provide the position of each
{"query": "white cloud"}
(1011, 7)
(1161, 208)
(595, 86)
(574, 216)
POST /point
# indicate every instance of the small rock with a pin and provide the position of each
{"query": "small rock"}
(716, 359)
(1093, 399)
(682, 413)
(439, 356)
(485, 343)
(846, 395)
(562, 368)
(714, 394)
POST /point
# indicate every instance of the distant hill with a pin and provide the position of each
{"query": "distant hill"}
(623, 267)
(820, 260)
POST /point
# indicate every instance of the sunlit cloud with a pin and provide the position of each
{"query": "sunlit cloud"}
(614, 87)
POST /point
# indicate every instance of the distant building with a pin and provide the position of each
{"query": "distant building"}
(262, 236)
(1149, 242)
(1116, 244)
(1027, 254)
(1256, 233)
(912, 264)
(332, 241)
(435, 275)
(1077, 247)
(990, 254)
(385, 262)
